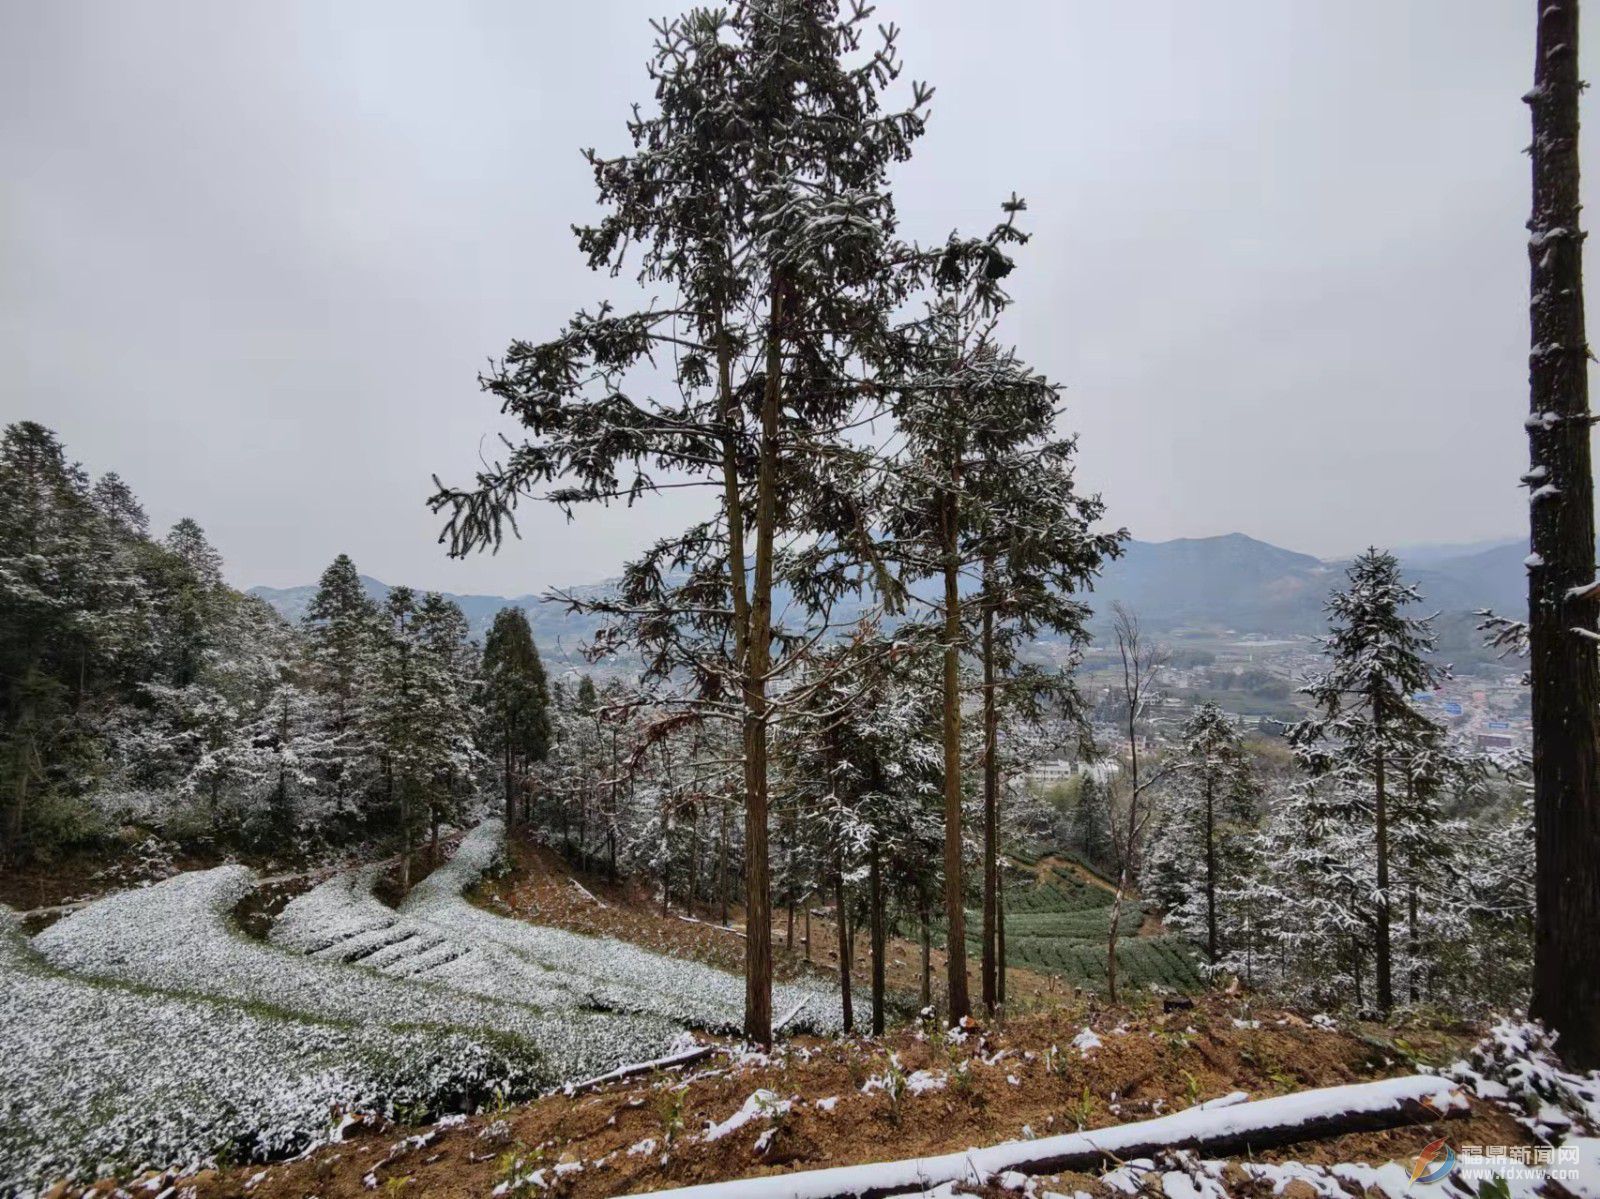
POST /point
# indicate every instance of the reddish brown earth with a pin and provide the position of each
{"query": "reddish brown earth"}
(1159, 1063)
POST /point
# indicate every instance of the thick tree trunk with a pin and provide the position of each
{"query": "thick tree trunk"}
(875, 894)
(991, 819)
(758, 660)
(955, 917)
(1561, 569)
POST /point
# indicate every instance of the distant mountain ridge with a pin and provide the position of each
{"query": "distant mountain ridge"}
(558, 632)
(1231, 581)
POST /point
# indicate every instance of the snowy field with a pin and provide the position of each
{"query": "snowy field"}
(148, 1029)
(99, 1074)
(611, 974)
(438, 937)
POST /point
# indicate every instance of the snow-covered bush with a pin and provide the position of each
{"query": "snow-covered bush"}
(101, 1076)
(178, 936)
(1517, 1064)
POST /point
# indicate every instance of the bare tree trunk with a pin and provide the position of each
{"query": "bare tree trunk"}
(1381, 941)
(955, 917)
(1561, 569)
(1416, 943)
(1111, 938)
(758, 660)
(694, 853)
(722, 862)
(875, 898)
(1000, 941)
(1211, 869)
(405, 841)
(511, 791)
(842, 914)
(991, 830)
(927, 948)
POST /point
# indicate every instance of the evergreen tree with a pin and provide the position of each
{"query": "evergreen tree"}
(1197, 857)
(517, 703)
(1091, 820)
(115, 500)
(757, 193)
(862, 767)
(192, 608)
(340, 625)
(1358, 744)
(57, 607)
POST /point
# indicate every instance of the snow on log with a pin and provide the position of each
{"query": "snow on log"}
(686, 1058)
(721, 928)
(1306, 1115)
(792, 1013)
(586, 893)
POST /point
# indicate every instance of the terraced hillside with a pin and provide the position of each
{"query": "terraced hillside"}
(1058, 920)
(204, 1042)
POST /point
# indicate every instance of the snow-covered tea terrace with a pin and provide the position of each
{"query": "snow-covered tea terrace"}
(148, 1029)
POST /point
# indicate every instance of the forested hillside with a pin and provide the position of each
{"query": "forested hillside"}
(146, 697)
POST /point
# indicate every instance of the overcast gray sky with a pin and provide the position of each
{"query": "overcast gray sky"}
(252, 255)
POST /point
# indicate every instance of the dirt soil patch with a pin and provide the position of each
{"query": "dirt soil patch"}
(829, 1106)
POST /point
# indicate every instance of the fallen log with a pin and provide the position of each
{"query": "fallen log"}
(1216, 1131)
(708, 924)
(672, 1060)
(793, 1012)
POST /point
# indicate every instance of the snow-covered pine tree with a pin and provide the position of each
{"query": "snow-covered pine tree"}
(192, 607)
(862, 772)
(982, 499)
(449, 684)
(516, 704)
(1196, 857)
(1039, 553)
(757, 193)
(1357, 746)
(340, 625)
(392, 719)
(1091, 820)
(116, 502)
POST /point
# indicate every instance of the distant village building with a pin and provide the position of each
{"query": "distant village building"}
(1060, 770)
